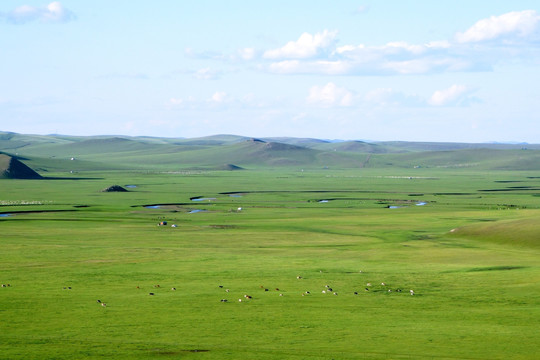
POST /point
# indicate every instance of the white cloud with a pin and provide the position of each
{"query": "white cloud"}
(180, 102)
(310, 67)
(206, 74)
(515, 23)
(391, 97)
(307, 46)
(329, 95)
(247, 53)
(453, 95)
(319, 54)
(53, 12)
(219, 97)
(362, 9)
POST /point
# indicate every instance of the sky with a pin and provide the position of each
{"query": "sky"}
(424, 70)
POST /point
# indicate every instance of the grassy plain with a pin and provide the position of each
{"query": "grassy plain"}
(471, 255)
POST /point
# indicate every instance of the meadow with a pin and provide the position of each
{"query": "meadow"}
(464, 240)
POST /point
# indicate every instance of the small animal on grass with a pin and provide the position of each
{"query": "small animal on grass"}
(412, 292)
(224, 300)
(99, 301)
(151, 294)
(173, 289)
(103, 304)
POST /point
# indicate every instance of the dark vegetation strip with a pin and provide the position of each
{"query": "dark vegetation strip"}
(339, 191)
(496, 268)
(165, 204)
(515, 188)
(35, 211)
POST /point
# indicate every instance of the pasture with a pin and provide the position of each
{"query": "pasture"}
(465, 241)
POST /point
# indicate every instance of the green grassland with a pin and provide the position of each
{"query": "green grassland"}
(464, 238)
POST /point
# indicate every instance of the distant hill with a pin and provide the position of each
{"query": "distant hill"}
(11, 168)
(60, 153)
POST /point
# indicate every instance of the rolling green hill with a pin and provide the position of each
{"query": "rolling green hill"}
(80, 153)
(12, 168)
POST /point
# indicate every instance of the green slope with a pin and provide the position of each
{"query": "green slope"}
(54, 153)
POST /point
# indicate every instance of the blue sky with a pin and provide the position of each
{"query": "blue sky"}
(460, 71)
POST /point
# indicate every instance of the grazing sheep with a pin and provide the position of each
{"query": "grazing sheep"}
(151, 294)
(355, 293)
(307, 292)
(298, 277)
(412, 292)
(277, 289)
(221, 286)
(173, 289)
(265, 289)
(224, 300)
(103, 304)
(239, 300)
(4, 285)
(368, 284)
(99, 301)
(137, 287)
(280, 294)
(156, 286)
(335, 293)
(383, 284)
(324, 291)
(227, 290)
(366, 289)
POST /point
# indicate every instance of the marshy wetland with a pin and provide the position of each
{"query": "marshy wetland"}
(251, 273)
(290, 262)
